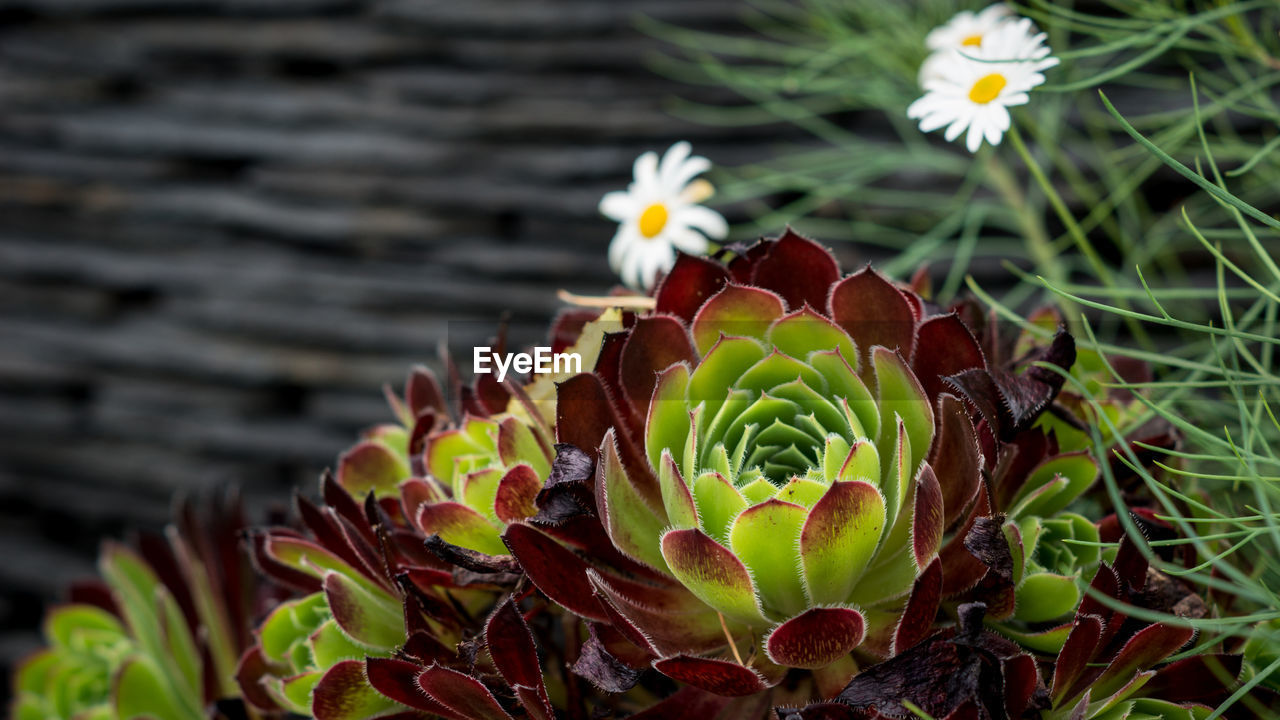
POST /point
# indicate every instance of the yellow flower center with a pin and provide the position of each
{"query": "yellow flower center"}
(653, 219)
(972, 41)
(986, 89)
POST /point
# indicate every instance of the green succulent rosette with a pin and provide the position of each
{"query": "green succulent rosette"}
(144, 662)
(795, 496)
(158, 635)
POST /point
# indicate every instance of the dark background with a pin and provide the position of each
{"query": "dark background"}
(224, 224)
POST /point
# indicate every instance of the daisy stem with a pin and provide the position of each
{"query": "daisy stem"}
(1068, 220)
(1050, 269)
(1038, 243)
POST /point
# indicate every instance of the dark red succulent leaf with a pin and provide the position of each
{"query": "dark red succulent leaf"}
(690, 283)
(253, 668)
(398, 680)
(554, 569)
(722, 677)
(656, 341)
(944, 347)
(798, 269)
(1010, 402)
(874, 312)
(1207, 679)
(816, 637)
(922, 608)
(461, 693)
(957, 457)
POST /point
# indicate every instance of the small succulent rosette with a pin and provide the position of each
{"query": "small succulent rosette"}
(1112, 665)
(158, 636)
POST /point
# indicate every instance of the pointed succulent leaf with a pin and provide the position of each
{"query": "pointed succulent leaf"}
(1072, 473)
(371, 467)
(736, 311)
(843, 382)
(478, 489)
(688, 286)
(517, 443)
(712, 573)
(720, 368)
(453, 453)
(927, 522)
(460, 525)
(553, 569)
(461, 693)
(1148, 647)
(398, 680)
(802, 491)
(898, 392)
(511, 646)
(873, 312)
(839, 538)
(516, 495)
(816, 637)
(1077, 651)
(667, 426)
(798, 269)
(330, 645)
(343, 693)
(718, 503)
(766, 539)
(632, 523)
(804, 332)
(674, 620)
(774, 370)
(962, 352)
(957, 457)
(655, 343)
(716, 676)
(922, 608)
(681, 510)
(365, 617)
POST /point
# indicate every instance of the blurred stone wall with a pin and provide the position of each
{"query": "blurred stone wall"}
(224, 224)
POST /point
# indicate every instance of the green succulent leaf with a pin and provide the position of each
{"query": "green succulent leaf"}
(839, 539)
(766, 538)
(633, 524)
(712, 573)
(1044, 596)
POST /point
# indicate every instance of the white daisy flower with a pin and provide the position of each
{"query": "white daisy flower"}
(975, 89)
(963, 31)
(659, 213)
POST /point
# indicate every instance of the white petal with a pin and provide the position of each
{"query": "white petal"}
(703, 218)
(671, 162)
(692, 168)
(974, 139)
(936, 120)
(623, 241)
(957, 127)
(688, 240)
(646, 169)
(992, 133)
(618, 205)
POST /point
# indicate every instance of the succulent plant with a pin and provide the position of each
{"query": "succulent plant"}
(159, 636)
(1112, 665)
(781, 455)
